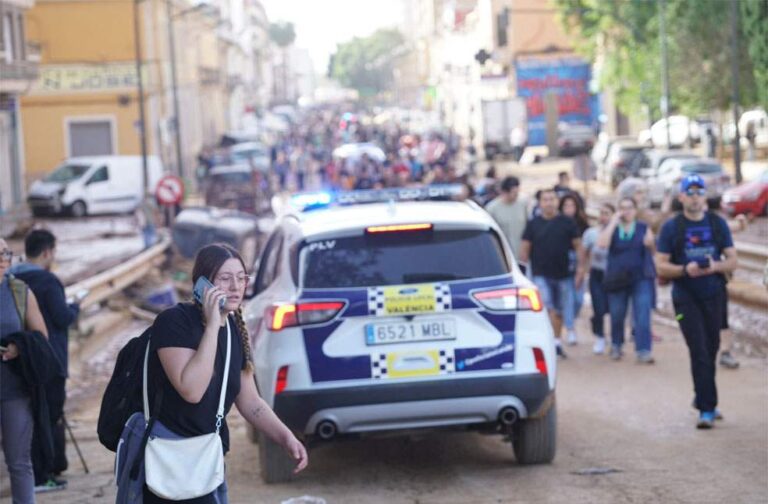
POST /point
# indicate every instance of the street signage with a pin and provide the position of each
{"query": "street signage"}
(170, 190)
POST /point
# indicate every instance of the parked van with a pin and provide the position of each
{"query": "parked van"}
(94, 185)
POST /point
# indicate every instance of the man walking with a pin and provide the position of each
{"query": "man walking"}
(695, 250)
(510, 212)
(547, 241)
(40, 250)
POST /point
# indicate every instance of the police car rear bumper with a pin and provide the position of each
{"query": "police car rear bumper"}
(411, 405)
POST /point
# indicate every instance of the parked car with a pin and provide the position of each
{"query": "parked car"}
(747, 198)
(94, 185)
(683, 132)
(237, 187)
(574, 139)
(673, 170)
(253, 153)
(600, 151)
(649, 161)
(621, 162)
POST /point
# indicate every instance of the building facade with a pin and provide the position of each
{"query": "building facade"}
(18, 71)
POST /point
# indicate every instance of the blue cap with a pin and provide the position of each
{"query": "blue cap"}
(692, 180)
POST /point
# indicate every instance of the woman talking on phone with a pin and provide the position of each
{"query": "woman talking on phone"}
(188, 349)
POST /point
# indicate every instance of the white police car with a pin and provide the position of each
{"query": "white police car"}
(372, 313)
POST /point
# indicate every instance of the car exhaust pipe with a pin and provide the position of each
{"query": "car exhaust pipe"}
(326, 430)
(508, 416)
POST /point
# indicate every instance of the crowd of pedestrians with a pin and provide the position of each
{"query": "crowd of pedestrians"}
(623, 258)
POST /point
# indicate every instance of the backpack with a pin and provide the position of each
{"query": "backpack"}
(20, 293)
(123, 395)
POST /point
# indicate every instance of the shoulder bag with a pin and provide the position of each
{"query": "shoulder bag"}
(179, 469)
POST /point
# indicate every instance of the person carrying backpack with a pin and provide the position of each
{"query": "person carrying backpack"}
(191, 346)
(695, 250)
(40, 251)
(18, 311)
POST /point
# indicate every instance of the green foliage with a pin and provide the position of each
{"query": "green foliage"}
(283, 34)
(754, 18)
(366, 64)
(625, 34)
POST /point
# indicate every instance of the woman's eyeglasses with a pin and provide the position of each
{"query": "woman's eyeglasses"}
(6, 254)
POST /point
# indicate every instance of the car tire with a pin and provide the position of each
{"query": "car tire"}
(276, 466)
(535, 439)
(78, 209)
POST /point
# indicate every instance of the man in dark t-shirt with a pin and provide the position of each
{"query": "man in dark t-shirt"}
(695, 249)
(547, 241)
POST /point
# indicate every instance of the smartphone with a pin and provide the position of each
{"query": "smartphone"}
(3, 349)
(199, 291)
(703, 263)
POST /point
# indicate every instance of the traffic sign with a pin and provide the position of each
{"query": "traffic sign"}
(170, 190)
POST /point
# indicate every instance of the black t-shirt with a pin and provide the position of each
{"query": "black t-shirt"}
(551, 241)
(182, 326)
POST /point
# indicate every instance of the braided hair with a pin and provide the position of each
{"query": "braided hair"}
(208, 261)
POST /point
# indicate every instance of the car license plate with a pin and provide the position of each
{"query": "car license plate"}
(407, 332)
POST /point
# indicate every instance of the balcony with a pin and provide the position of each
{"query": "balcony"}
(18, 74)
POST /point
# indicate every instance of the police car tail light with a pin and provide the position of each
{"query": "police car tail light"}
(398, 228)
(513, 299)
(281, 316)
(541, 364)
(281, 379)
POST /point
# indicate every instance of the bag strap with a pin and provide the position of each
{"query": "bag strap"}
(223, 395)
(19, 293)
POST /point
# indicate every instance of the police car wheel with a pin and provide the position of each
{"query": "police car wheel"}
(276, 466)
(535, 439)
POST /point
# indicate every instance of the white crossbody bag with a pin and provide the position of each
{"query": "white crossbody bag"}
(178, 469)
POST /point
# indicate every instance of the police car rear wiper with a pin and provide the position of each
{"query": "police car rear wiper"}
(431, 277)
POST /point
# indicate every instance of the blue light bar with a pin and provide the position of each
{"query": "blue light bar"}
(314, 200)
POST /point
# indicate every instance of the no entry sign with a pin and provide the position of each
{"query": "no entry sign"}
(170, 190)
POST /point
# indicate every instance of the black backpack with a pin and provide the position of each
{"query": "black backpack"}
(123, 395)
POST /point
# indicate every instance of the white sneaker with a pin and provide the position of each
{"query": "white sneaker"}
(572, 338)
(599, 347)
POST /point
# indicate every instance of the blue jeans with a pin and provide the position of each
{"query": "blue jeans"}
(641, 293)
(599, 301)
(559, 295)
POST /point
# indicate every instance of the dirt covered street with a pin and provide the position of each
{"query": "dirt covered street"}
(626, 435)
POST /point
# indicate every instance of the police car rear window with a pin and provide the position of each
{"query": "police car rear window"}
(401, 258)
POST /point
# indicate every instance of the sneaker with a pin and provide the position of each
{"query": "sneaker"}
(706, 420)
(728, 361)
(718, 415)
(51, 485)
(560, 352)
(572, 338)
(616, 352)
(645, 358)
(599, 347)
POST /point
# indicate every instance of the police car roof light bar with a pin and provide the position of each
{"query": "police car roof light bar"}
(308, 201)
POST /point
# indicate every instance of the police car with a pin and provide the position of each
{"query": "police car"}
(395, 310)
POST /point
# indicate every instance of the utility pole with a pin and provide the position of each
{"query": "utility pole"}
(174, 89)
(664, 68)
(735, 70)
(140, 86)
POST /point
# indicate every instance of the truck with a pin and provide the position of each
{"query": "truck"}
(500, 117)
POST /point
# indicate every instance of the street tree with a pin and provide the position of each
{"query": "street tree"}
(624, 36)
(367, 63)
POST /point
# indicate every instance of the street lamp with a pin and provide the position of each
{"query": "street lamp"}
(140, 88)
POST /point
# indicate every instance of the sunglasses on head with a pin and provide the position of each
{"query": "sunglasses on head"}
(694, 191)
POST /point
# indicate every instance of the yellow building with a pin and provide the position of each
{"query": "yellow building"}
(85, 101)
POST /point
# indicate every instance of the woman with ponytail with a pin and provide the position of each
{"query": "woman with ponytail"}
(188, 353)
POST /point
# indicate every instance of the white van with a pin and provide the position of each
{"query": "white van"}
(94, 185)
